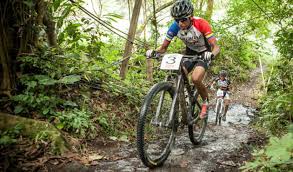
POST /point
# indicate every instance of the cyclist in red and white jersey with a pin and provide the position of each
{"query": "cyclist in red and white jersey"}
(198, 37)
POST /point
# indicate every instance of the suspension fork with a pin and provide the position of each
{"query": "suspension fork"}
(160, 104)
(222, 105)
(175, 99)
(219, 103)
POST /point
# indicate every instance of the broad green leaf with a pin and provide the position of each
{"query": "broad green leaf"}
(32, 84)
(70, 103)
(18, 109)
(60, 126)
(45, 80)
(70, 79)
(45, 111)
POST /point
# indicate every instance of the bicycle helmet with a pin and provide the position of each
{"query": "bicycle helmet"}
(181, 9)
(223, 73)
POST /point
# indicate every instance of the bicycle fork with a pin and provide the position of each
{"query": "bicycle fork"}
(219, 103)
(173, 106)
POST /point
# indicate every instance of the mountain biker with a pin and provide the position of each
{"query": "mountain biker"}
(198, 37)
(223, 84)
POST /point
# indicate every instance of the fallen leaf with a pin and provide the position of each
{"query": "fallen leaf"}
(113, 138)
(95, 157)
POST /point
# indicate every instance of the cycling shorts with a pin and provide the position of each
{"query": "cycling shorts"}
(190, 65)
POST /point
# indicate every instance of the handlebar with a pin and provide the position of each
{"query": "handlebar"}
(159, 56)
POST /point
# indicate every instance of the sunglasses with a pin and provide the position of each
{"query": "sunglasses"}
(182, 19)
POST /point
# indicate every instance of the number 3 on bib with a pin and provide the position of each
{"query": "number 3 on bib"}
(171, 62)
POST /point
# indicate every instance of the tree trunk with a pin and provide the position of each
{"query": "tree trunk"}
(131, 35)
(6, 74)
(51, 32)
(144, 18)
(149, 66)
(209, 11)
(19, 35)
(6, 78)
(45, 18)
(200, 5)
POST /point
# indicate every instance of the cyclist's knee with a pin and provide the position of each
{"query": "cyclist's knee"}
(198, 75)
(197, 80)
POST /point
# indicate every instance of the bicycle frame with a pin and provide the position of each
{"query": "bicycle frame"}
(176, 84)
(181, 80)
(220, 100)
(220, 108)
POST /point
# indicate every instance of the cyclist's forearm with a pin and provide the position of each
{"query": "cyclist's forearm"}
(215, 50)
(215, 47)
(163, 48)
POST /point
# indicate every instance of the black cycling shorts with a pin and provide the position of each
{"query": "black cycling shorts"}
(190, 65)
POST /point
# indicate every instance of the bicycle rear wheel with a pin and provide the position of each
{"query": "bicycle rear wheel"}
(155, 132)
(196, 126)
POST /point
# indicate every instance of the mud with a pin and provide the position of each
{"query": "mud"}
(215, 153)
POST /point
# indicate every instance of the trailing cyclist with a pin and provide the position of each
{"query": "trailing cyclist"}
(223, 84)
(198, 37)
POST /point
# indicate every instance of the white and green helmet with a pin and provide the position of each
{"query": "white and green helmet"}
(181, 9)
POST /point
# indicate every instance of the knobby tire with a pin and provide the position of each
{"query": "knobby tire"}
(142, 142)
(195, 135)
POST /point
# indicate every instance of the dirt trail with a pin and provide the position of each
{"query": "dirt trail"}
(248, 93)
(224, 148)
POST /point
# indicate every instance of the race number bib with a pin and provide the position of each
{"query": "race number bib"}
(220, 93)
(171, 62)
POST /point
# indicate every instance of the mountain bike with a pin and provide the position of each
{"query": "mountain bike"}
(159, 115)
(220, 106)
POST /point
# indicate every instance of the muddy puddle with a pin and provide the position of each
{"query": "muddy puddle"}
(218, 143)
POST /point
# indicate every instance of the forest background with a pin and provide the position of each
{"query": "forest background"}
(68, 70)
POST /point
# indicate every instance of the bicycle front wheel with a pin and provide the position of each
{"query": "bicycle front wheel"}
(196, 126)
(155, 130)
(219, 111)
(218, 106)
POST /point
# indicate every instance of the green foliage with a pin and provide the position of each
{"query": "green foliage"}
(252, 21)
(9, 136)
(75, 120)
(276, 107)
(39, 94)
(109, 123)
(238, 56)
(276, 156)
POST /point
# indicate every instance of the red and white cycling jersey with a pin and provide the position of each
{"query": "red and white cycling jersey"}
(193, 37)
